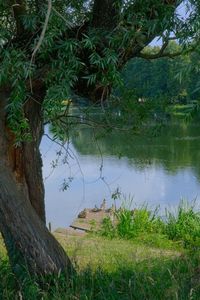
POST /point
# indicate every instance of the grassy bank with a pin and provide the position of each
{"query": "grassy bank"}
(138, 256)
(181, 226)
(113, 269)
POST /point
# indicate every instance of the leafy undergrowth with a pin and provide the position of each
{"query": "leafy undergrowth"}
(111, 270)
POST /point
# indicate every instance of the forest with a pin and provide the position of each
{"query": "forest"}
(176, 80)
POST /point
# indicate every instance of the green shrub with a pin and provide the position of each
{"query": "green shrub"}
(130, 224)
(184, 225)
(108, 229)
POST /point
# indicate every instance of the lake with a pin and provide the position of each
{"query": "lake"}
(158, 171)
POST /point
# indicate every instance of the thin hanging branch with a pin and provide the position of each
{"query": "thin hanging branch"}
(37, 47)
(39, 43)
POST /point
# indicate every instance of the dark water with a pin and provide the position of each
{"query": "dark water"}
(155, 170)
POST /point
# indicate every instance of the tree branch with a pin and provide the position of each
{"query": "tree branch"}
(43, 31)
(19, 10)
(144, 38)
(163, 53)
(105, 13)
(39, 43)
(160, 55)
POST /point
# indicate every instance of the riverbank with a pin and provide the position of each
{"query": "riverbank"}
(113, 270)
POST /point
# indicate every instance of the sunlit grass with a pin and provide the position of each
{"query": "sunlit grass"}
(149, 265)
(109, 254)
(112, 269)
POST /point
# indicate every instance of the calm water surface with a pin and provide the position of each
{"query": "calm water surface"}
(155, 170)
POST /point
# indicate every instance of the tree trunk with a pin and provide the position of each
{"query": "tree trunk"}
(32, 162)
(25, 161)
(27, 239)
(22, 215)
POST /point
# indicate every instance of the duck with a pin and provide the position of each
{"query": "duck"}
(103, 205)
(83, 214)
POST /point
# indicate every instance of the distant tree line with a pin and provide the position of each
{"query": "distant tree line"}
(176, 80)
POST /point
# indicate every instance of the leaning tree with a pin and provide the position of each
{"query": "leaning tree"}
(49, 49)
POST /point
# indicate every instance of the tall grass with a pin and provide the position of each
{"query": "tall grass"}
(181, 225)
(184, 224)
(156, 279)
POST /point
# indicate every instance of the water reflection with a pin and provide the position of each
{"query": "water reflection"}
(158, 170)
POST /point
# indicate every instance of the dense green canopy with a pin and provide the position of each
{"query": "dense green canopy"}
(79, 47)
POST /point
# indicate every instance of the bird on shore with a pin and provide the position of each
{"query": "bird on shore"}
(83, 214)
(103, 205)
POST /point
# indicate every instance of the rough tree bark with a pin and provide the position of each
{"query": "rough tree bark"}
(25, 161)
(32, 159)
(28, 241)
(22, 209)
(22, 214)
